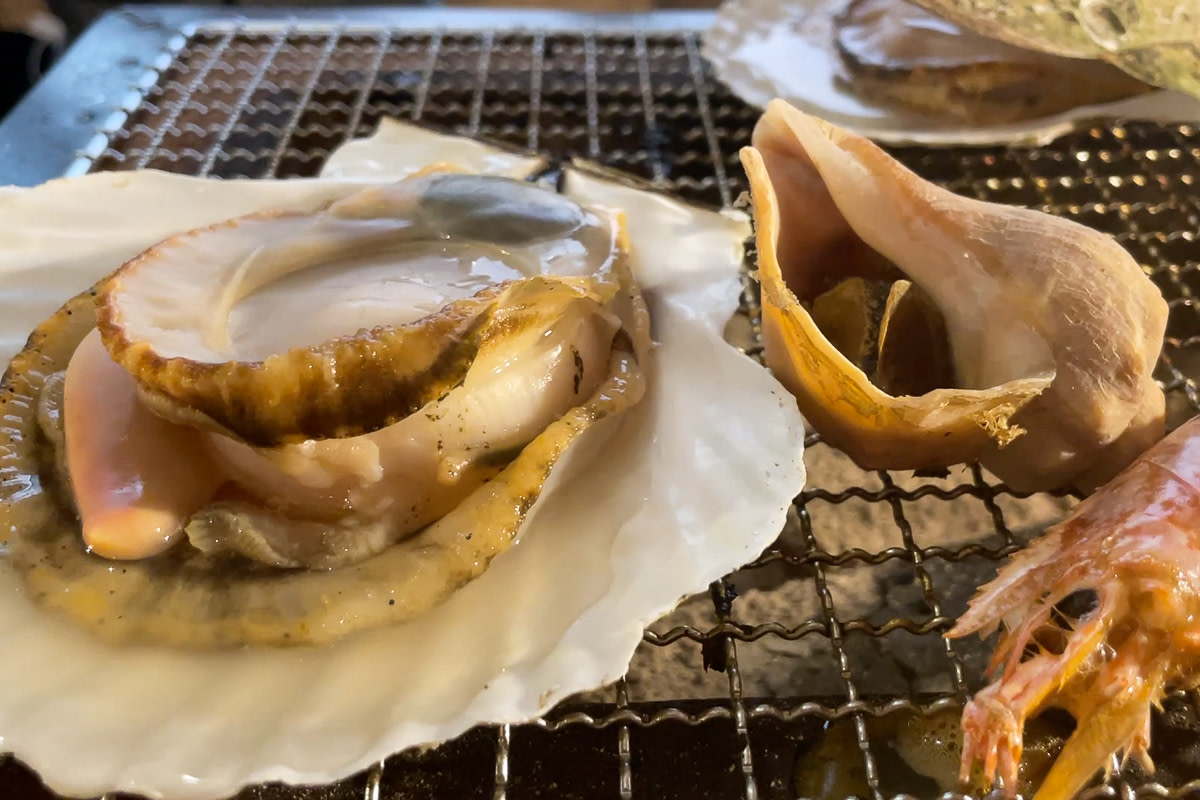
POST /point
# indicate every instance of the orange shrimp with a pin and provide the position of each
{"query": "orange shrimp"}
(1135, 543)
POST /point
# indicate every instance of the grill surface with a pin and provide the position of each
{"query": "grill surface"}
(699, 715)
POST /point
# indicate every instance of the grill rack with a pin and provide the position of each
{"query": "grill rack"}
(251, 100)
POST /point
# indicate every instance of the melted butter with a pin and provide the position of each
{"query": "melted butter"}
(396, 287)
(901, 34)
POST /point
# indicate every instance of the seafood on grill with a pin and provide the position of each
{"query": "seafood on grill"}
(898, 54)
(306, 391)
(1154, 40)
(1133, 550)
(248, 409)
(920, 329)
(956, 72)
(534, 585)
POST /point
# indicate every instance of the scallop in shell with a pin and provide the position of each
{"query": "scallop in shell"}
(898, 73)
(1156, 40)
(431, 386)
(643, 508)
(1047, 332)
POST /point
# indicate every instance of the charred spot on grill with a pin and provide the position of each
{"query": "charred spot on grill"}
(723, 596)
(713, 655)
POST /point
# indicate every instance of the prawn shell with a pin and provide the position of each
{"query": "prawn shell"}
(877, 430)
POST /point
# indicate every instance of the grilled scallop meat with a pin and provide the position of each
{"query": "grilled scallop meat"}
(287, 427)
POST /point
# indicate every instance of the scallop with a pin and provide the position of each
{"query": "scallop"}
(422, 274)
(675, 464)
(957, 73)
(1154, 40)
(1007, 335)
(430, 349)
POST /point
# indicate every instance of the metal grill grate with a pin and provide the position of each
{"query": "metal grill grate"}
(838, 625)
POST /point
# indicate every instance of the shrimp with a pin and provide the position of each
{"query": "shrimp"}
(1135, 544)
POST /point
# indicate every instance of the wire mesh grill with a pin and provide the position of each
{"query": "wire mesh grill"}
(838, 625)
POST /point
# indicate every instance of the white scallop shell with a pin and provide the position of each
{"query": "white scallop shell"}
(767, 49)
(689, 485)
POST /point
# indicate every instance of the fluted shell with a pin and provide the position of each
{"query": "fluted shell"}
(1050, 330)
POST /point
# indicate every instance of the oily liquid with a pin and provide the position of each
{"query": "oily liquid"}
(915, 754)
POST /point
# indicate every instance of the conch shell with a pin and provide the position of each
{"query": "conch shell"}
(1050, 330)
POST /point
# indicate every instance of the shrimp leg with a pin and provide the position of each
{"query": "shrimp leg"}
(1122, 723)
(1135, 544)
(994, 721)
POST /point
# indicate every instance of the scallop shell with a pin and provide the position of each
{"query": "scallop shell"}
(1053, 329)
(643, 511)
(764, 49)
